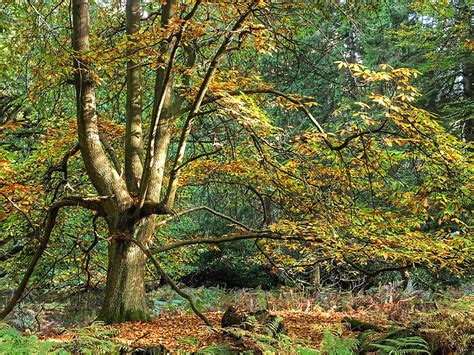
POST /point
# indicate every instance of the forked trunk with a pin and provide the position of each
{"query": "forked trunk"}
(125, 298)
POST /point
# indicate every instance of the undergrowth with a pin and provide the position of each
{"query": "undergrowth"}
(93, 339)
(413, 324)
(450, 327)
(13, 342)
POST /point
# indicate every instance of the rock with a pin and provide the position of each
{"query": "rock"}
(232, 318)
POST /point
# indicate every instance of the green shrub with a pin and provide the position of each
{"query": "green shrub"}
(217, 349)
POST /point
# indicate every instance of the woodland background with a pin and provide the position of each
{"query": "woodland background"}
(315, 159)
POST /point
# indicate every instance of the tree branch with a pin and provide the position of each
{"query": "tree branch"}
(171, 282)
(62, 166)
(12, 252)
(133, 129)
(266, 220)
(195, 107)
(150, 208)
(307, 113)
(232, 238)
(53, 210)
(190, 160)
(111, 153)
(160, 131)
(379, 271)
(15, 206)
(102, 174)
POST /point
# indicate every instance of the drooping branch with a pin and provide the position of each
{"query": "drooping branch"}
(263, 198)
(234, 237)
(272, 262)
(177, 215)
(93, 204)
(301, 106)
(62, 166)
(15, 206)
(12, 252)
(374, 273)
(286, 268)
(18, 247)
(230, 219)
(287, 97)
(6, 240)
(199, 156)
(170, 282)
(157, 208)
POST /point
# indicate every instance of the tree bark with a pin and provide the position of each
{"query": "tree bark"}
(125, 288)
(103, 175)
(125, 298)
(134, 131)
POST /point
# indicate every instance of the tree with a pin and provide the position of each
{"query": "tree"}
(323, 196)
(434, 38)
(129, 200)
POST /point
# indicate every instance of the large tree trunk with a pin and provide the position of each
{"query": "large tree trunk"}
(125, 288)
(125, 298)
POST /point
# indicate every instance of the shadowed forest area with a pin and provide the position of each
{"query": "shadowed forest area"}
(252, 176)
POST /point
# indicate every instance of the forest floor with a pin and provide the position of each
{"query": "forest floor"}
(187, 333)
(313, 320)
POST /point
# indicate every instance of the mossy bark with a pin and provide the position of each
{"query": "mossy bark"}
(125, 298)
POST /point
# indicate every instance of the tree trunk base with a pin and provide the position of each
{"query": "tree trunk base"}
(138, 315)
(125, 290)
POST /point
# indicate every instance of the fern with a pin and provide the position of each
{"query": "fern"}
(93, 339)
(399, 346)
(12, 342)
(286, 345)
(216, 349)
(335, 344)
(275, 326)
(450, 327)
